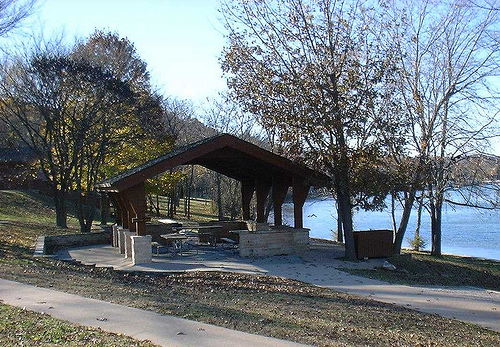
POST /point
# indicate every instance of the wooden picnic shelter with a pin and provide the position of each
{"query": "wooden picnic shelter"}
(256, 168)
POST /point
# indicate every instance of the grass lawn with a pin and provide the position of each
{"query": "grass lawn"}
(25, 328)
(263, 305)
(201, 209)
(448, 270)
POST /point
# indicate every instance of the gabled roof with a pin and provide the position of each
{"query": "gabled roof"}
(225, 154)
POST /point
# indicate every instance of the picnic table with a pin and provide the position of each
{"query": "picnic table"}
(197, 227)
(168, 221)
(177, 241)
(205, 233)
(208, 231)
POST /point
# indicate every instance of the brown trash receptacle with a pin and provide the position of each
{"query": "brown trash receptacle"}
(373, 243)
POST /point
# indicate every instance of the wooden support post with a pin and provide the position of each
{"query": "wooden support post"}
(262, 191)
(300, 191)
(247, 189)
(280, 189)
(129, 212)
(136, 198)
(125, 213)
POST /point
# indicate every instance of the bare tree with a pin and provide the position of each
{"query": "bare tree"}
(224, 116)
(181, 122)
(13, 12)
(448, 56)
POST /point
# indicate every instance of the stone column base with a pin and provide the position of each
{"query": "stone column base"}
(141, 249)
(121, 239)
(115, 236)
(128, 243)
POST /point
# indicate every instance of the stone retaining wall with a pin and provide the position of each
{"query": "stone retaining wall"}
(48, 245)
(273, 242)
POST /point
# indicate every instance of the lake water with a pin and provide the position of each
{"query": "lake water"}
(466, 231)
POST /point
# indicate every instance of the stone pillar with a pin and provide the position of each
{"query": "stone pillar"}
(121, 239)
(128, 243)
(300, 240)
(247, 189)
(300, 191)
(115, 235)
(280, 188)
(141, 249)
(262, 191)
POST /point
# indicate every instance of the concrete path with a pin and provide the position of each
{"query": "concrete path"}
(320, 266)
(139, 324)
(473, 305)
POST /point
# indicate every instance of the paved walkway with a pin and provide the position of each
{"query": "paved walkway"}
(468, 304)
(320, 266)
(139, 324)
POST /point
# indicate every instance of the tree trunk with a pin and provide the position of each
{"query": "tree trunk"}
(345, 208)
(157, 205)
(405, 217)
(85, 210)
(61, 211)
(189, 191)
(346, 213)
(393, 214)
(341, 169)
(436, 212)
(342, 183)
(172, 204)
(340, 230)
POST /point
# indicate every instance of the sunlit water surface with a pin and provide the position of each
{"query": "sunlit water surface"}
(466, 231)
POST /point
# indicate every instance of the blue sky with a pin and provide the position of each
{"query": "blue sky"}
(180, 40)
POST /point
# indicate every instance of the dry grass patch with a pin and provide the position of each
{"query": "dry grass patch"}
(447, 270)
